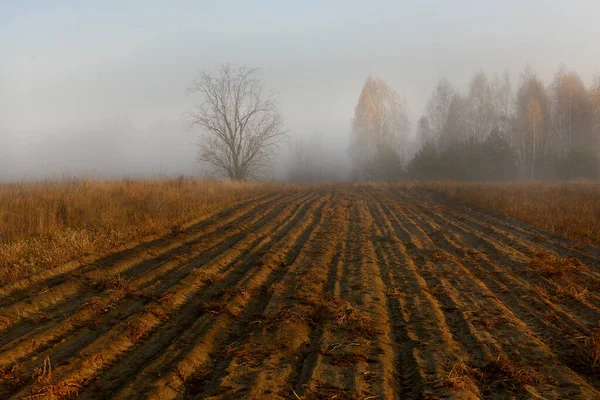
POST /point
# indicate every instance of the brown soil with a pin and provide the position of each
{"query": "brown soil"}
(340, 292)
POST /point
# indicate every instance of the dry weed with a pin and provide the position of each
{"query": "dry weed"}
(321, 391)
(137, 329)
(589, 349)
(269, 321)
(461, 377)
(46, 388)
(344, 314)
(214, 308)
(573, 291)
(552, 266)
(245, 356)
(503, 372)
(347, 360)
(116, 283)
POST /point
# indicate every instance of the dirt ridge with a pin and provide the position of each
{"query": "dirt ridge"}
(332, 292)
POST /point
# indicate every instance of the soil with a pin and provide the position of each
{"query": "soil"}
(344, 292)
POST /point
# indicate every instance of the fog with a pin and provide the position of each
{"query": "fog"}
(100, 89)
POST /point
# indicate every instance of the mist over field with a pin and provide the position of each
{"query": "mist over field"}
(100, 89)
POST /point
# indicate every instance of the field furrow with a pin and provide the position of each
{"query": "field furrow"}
(333, 292)
(112, 289)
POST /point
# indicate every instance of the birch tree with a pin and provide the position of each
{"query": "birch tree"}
(438, 108)
(456, 127)
(570, 112)
(424, 131)
(481, 107)
(241, 124)
(533, 117)
(530, 135)
(381, 123)
(595, 104)
(503, 103)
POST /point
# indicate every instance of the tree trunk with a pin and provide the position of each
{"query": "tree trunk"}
(533, 150)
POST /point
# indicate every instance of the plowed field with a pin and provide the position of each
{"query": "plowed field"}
(345, 292)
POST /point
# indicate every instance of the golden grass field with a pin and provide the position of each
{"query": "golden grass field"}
(569, 209)
(190, 289)
(45, 224)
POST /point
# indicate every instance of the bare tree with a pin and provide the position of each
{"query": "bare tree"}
(241, 125)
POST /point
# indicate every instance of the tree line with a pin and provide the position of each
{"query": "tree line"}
(541, 132)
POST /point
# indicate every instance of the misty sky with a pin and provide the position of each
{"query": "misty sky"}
(98, 87)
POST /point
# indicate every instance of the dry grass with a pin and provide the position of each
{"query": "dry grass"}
(504, 373)
(12, 377)
(137, 329)
(347, 360)
(45, 386)
(46, 224)
(462, 377)
(589, 349)
(343, 314)
(594, 346)
(322, 391)
(552, 266)
(569, 209)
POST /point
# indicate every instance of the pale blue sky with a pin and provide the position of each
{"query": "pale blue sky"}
(99, 86)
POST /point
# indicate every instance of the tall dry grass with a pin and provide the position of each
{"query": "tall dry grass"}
(46, 224)
(568, 209)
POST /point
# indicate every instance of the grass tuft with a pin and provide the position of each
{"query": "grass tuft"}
(45, 386)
